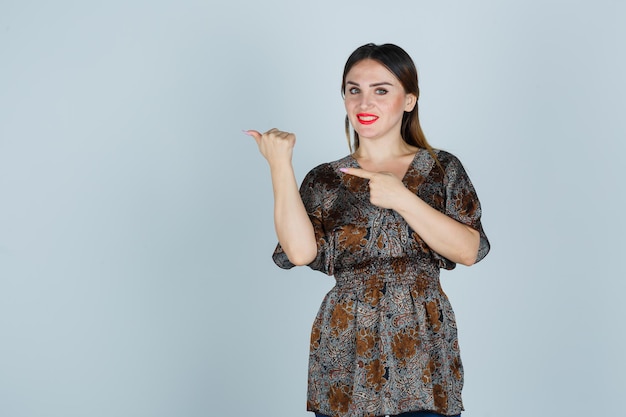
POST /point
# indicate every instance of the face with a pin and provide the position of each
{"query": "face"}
(375, 100)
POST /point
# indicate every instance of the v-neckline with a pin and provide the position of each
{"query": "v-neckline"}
(406, 172)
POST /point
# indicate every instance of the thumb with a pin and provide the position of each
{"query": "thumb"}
(255, 134)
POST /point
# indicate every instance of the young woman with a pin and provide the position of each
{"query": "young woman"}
(383, 221)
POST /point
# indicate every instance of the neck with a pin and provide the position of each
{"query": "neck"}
(383, 149)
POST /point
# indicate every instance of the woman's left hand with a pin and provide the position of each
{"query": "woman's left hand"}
(386, 190)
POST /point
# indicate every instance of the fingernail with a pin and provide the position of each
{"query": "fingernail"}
(343, 169)
(246, 132)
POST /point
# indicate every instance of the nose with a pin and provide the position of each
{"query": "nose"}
(365, 100)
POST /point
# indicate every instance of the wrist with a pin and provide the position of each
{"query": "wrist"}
(280, 164)
(406, 202)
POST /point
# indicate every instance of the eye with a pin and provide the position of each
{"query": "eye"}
(354, 90)
(381, 91)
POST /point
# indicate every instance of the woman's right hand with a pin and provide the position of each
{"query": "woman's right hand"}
(275, 145)
(293, 225)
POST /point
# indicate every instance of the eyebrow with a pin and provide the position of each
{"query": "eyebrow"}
(371, 85)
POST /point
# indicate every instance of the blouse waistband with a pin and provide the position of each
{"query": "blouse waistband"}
(391, 271)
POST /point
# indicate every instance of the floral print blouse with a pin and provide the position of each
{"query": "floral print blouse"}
(384, 341)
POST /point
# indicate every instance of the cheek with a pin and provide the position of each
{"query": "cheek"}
(351, 108)
(399, 105)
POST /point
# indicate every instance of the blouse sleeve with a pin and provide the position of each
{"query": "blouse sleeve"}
(462, 204)
(314, 192)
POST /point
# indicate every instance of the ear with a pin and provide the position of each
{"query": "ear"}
(411, 101)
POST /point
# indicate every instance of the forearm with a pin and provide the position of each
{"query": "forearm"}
(293, 226)
(446, 236)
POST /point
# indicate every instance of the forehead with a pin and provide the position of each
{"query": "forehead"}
(370, 70)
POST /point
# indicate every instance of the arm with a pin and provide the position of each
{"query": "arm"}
(446, 236)
(443, 234)
(293, 226)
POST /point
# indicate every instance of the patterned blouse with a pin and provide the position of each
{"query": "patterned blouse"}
(384, 340)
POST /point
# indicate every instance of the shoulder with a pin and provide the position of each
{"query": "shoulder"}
(451, 165)
(446, 158)
(455, 174)
(436, 165)
(327, 173)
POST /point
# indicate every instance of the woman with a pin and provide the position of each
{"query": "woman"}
(383, 221)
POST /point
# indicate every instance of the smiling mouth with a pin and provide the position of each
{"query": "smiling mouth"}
(366, 118)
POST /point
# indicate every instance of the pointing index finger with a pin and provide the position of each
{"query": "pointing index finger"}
(358, 172)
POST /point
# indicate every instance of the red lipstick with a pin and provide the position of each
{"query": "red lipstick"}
(366, 118)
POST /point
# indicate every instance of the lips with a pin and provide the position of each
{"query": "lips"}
(366, 118)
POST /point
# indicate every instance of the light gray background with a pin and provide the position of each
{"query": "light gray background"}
(136, 218)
